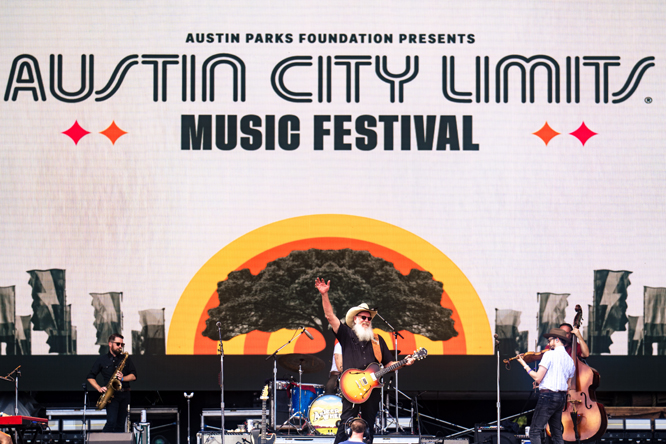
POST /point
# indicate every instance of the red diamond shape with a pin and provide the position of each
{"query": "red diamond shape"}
(583, 133)
(546, 133)
(113, 132)
(76, 132)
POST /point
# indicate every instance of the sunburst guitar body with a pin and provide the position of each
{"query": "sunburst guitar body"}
(357, 385)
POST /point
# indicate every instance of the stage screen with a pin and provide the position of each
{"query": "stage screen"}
(469, 169)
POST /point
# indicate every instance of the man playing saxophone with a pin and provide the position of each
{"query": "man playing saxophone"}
(116, 408)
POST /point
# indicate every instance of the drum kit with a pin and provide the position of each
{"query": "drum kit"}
(309, 406)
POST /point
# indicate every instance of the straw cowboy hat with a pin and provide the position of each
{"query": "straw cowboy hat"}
(349, 319)
(558, 333)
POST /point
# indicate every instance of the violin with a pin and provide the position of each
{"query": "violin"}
(528, 357)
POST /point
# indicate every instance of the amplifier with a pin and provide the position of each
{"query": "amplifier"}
(48, 438)
(442, 440)
(111, 438)
(229, 438)
(638, 428)
(488, 435)
(431, 440)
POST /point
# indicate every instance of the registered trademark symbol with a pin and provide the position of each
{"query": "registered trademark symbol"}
(648, 100)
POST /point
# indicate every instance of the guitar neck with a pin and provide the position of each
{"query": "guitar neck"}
(390, 368)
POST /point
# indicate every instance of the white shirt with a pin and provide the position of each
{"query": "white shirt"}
(560, 368)
(336, 351)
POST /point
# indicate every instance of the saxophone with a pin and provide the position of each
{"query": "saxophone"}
(113, 386)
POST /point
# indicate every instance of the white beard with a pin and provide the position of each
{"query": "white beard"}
(363, 334)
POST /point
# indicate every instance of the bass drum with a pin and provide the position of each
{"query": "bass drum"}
(324, 414)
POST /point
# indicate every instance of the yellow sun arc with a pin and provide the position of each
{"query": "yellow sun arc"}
(183, 327)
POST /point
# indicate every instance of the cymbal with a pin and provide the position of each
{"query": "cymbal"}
(308, 363)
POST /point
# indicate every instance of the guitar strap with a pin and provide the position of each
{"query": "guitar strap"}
(376, 347)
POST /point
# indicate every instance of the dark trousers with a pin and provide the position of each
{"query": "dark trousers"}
(548, 411)
(331, 387)
(368, 412)
(116, 412)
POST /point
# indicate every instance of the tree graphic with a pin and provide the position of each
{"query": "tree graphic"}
(283, 295)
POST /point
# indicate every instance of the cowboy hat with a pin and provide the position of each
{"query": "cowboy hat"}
(349, 319)
(558, 333)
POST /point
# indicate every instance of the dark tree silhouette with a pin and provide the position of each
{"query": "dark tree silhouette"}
(283, 295)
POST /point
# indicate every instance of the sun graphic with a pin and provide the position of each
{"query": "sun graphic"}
(327, 232)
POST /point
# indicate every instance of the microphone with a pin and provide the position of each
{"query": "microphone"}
(308, 334)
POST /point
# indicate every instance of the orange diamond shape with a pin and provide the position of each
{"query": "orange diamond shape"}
(546, 133)
(113, 132)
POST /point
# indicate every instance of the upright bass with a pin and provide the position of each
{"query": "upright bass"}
(584, 419)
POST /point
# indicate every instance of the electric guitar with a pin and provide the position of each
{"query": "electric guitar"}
(356, 385)
(259, 436)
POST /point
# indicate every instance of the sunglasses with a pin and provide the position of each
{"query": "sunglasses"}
(365, 318)
(119, 343)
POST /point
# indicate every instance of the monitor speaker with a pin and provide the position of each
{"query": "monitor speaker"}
(490, 437)
(229, 438)
(111, 438)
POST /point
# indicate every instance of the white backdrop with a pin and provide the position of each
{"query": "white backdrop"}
(517, 216)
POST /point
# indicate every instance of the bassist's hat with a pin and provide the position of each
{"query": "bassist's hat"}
(558, 333)
(349, 319)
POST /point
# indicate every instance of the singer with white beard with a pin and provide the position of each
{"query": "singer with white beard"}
(360, 347)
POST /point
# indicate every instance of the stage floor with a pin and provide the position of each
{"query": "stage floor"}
(386, 439)
(244, 438)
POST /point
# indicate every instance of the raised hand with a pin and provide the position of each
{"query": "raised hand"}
(322, 286)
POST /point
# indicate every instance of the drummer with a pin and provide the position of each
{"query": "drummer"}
(336, 369)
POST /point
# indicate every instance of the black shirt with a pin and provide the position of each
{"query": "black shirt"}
(107, 364)
(357, 353)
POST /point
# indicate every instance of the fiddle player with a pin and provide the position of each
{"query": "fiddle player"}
(555, 369)
(116, 409)
(360, 347)
(582, 350)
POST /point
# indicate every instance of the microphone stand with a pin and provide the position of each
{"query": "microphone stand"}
(395, 342)
(18, 373)
(85, 406)
(189, 417)
(219, 331)
(274, 356)
(499, 405)
(418, 418)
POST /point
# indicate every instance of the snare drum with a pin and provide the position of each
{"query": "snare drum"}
(325, 413)
(301, 400)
